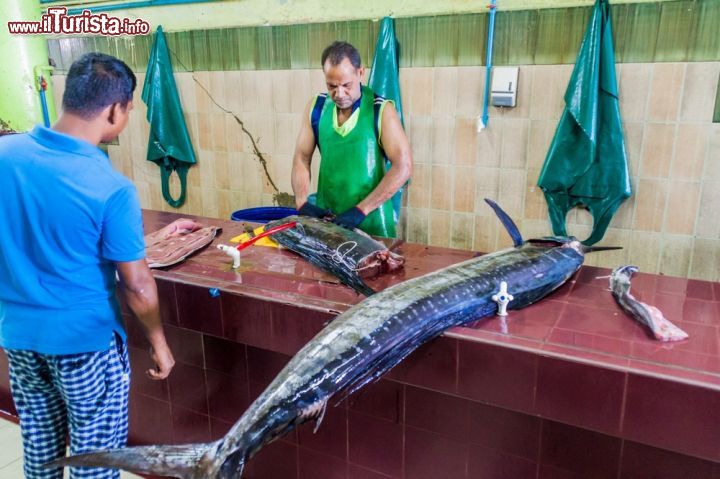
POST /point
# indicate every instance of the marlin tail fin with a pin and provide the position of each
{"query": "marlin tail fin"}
(189, 461)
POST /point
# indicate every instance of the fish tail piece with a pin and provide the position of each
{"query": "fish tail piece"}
(190, 461)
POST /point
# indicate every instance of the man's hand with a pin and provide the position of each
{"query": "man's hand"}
(164, 362)
(309, 209)
(350, 219)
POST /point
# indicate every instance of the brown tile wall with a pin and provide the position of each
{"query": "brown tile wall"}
(669, 226)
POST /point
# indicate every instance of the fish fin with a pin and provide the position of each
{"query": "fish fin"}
(592, 249)
(320, 417)
(315, 411)
(507, 222)
(182, 461)
(363, 288)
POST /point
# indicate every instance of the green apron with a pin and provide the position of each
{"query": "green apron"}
(352, 164)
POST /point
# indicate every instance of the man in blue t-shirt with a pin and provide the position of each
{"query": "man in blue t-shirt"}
(69, 223)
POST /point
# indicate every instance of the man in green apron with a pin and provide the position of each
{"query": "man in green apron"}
(354, 130)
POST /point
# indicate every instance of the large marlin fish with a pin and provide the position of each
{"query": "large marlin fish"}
(357, 348)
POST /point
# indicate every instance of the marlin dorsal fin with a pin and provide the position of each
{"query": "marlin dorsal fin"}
(507, 222)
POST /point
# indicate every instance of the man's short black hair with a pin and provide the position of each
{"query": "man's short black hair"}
(95, 81)
(338, 51)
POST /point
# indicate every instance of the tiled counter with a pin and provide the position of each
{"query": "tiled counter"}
(569, 387)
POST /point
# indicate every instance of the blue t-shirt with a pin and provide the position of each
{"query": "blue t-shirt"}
(65, 218)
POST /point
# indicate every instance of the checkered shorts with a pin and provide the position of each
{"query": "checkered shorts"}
(83, 394)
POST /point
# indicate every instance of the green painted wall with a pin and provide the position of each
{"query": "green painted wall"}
(679, 30)
(20, 109)
(237, 13)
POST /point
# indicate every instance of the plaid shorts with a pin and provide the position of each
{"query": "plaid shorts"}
(84, 394)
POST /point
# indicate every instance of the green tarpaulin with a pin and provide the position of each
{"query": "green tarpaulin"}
(385, 81)
(587, 165)
(169, 145)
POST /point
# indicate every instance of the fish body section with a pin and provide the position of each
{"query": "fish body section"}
(660, 327)
(349, 255)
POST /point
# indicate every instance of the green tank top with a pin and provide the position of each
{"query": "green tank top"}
(352, 164)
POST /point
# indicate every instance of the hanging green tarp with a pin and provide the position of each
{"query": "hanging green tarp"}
(385, 81)
(587, 164)
(169, 145)
(385, 71)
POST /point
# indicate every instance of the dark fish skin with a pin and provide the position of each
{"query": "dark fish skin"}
(358, 347)
(349, 255)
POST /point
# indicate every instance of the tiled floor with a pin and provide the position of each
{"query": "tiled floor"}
(11, 453)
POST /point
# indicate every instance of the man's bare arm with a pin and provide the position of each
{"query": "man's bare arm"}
(137, 285)
(304, 148)
(397, 149)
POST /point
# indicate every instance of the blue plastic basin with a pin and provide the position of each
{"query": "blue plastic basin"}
(262, 214)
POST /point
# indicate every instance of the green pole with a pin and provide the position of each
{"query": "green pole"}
(24, 59)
